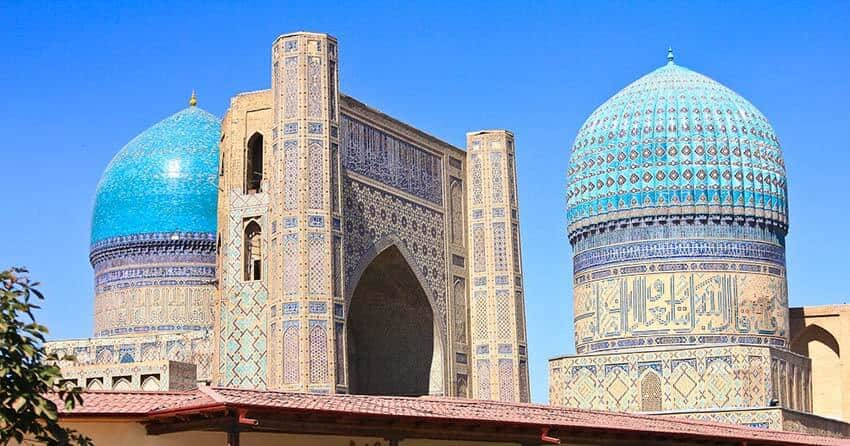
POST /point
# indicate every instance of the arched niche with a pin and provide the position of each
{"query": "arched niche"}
(394, 339)
(824, 351)
(254, 164)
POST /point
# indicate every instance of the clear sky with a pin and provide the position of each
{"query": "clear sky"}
(79, 80)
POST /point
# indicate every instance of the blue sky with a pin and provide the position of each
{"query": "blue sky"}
(79, 80)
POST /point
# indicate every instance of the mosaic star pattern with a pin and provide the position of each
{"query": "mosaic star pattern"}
(696, 378)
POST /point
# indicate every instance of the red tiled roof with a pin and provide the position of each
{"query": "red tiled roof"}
(134, 403)
(157, 405)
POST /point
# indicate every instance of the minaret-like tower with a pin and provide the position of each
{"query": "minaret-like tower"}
(307, 277)
(497, 335)
(280, 281)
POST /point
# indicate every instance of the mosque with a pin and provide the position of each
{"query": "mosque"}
(306, 242)
(309, 244)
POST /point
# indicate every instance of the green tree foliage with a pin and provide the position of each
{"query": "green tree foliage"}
(28, 374)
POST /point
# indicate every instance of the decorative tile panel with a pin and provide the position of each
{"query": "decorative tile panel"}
(314, 87)
(378, 155)
(694, 378)
(290, 86)
(482, 373)
(497, 186)
(291, 360)
(318, 352)
(317, 192)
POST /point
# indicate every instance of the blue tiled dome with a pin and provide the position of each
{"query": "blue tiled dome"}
(163, 181)
(675, 142)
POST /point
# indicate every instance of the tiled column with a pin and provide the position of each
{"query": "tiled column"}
(499, 358)
(307, 212)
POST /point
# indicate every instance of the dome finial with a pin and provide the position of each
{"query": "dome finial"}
(670, 54)
(193, 101)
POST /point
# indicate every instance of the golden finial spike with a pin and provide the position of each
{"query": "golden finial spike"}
(193, 101)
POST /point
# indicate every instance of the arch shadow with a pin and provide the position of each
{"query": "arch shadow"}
(814, 332)
(384, 248)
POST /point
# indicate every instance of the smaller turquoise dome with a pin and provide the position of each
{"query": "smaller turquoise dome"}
(163, 181)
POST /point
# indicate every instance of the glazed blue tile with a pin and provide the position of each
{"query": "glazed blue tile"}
(671, 136)
(164, 180)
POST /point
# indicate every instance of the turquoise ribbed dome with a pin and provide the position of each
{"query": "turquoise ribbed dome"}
(163, 181)
(675, 142)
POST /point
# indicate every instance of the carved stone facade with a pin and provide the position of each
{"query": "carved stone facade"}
(158, 375)
(776, 418)
(166, 361)
(356, 211)
(241, 303)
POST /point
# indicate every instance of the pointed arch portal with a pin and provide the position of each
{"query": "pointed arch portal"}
(393, 346)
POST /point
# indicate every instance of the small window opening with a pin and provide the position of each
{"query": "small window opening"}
(254, 164)
(253, 251)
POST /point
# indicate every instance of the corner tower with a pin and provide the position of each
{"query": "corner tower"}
(496, 309)
(280, 225)
(305, 137)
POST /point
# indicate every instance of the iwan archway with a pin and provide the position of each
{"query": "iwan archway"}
(393, 340)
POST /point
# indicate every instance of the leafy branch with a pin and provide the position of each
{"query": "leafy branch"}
(28, 374)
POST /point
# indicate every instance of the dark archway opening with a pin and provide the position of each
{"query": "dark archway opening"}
(254, 164)
(253, 255)
(390, 330)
